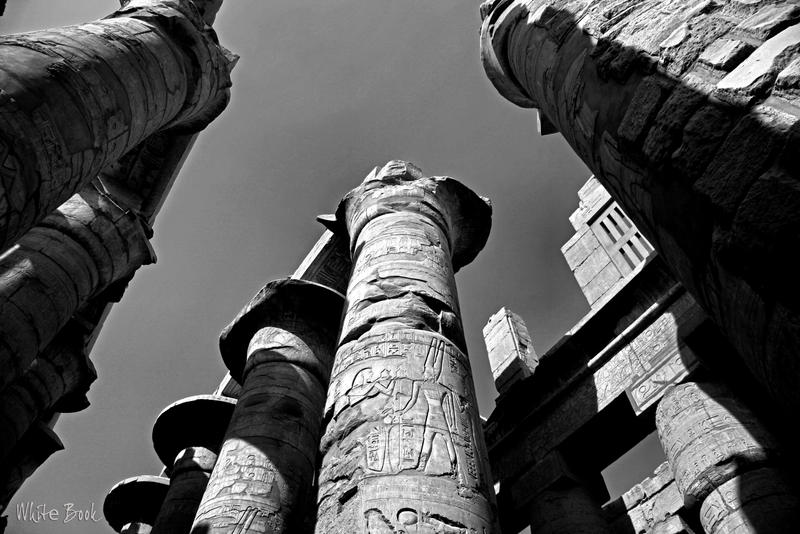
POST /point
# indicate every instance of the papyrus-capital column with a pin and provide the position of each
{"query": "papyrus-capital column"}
(131, 505)
(77, 98)
(57, 380)
(187, 437)
(280, 348)
(82, 248)
(725, 461)
(403, 448)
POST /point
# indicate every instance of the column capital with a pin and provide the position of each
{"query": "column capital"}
(494, 49)
(197, 421)
(135, 500)
(297, 306)
(465, 217)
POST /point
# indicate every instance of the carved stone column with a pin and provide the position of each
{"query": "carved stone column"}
(31, 451)
(570, 509)
(403, 449)
(187, 437)
(725, 461)
(75, 99)
(280, 348)
(57, 380)
(688, 113)
(76, 252)
(131, 505)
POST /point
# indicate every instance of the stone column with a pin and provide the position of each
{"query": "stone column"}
(280, 348)
(76, 252)
(31, 451)
(403, 448)
(75, 99)
(687, 112)
(131, 506)
(60, 374)
(725, 461)
(569, 509)
(187, 437)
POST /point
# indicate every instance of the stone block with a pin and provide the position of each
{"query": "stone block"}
(755, 75)
(768, 20)
(579, 248)
(592, 266)
(510, 349)
(787, 84)
(603, 283)
(725, 53)
(672, 525)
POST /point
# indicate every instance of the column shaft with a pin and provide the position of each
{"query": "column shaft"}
(188, 480)
(77, 98)
(264, 476)
(76, 252)
(725, 461)
(403, 449)
(687, 113)
(62, 369)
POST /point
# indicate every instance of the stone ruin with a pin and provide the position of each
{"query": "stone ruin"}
(349, 405)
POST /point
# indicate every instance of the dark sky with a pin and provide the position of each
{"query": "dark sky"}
(325, 90)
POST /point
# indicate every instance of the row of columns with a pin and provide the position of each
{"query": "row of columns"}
(74, 101)
(727, 466)
(403, 448)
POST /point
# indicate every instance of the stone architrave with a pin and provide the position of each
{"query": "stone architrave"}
(725, 461)
(89, 243)
(77, 98)
(132, 505)
(403, 449)
(57, 380)
(280, 348)
(688, 112)
(187, 437)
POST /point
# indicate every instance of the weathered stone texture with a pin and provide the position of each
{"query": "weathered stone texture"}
(75, 99)
(403, 448)
(510, 349)
(280, 348)
(56, 381)
(684, 110)
(651, 507)
(89, 243)
(187, 437)
(725, 461)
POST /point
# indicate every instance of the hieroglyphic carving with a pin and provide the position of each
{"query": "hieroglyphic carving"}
(403, 450)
